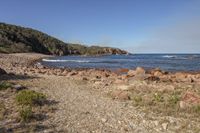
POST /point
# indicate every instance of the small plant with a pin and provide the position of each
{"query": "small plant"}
(158, 97)
(173, 99)
(29, 97)
(137, 100)
(26, 113)
(196, 109)
(4, 85)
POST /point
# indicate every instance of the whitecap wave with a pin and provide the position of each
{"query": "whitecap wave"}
(80, 61)
(169, 56)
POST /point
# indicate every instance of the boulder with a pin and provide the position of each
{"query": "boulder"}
(2, 72)
(140, 71)
(152, 78)
(131, 73)
(189, 99)
(122, 70)
(158, 73)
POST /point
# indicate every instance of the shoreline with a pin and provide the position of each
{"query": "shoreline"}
(45, 63)
(33, 61)
(101, 97)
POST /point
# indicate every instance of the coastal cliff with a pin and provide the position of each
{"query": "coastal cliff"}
(17, 39)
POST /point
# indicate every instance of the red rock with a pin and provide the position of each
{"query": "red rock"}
(191, 97)
(122, 70)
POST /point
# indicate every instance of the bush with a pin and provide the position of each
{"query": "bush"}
(26, 113)
(4, 85)
(29, 97)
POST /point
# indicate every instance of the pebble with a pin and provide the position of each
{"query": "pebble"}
(103, 120)
(165, 125)
(18, 87)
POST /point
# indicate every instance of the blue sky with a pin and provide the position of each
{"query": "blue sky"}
(139, 26)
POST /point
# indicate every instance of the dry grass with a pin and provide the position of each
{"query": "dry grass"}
(163, 102)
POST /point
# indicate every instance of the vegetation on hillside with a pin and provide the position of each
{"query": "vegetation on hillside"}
(16, 39)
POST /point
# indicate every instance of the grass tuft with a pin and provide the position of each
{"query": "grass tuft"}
(158, 97)
(29, 97)
(4, 85)
(26, 113)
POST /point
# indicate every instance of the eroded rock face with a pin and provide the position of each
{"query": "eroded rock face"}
(2, 72)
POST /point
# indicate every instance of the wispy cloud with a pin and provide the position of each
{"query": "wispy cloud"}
(182, 37)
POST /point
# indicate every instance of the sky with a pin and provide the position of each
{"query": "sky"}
(138, 26)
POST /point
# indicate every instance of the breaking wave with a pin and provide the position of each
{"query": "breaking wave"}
(80, 61)
(169, 56)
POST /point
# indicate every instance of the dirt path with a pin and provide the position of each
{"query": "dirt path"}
(83, 109)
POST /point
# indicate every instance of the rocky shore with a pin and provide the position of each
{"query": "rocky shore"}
(124, 100)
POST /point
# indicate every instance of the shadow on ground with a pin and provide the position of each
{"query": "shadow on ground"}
(16, 77)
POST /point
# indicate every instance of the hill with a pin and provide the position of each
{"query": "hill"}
(17, 39)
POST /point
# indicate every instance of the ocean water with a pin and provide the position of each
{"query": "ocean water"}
(168, 62)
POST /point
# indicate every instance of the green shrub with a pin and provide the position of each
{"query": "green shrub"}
(26, 113)
(29, 97)
(4, 85)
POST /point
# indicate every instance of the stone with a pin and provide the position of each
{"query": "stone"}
(18, 87)
(73, 73)
(158, 73)
(103, 120)
(156, 123)
(85, 79)
(166, 88)
(180, 76)
(164, 126)
(122, 71)
(121, 95)
(119, 81)
(131, 73)
(183, 105)
(152, 78)
(123, 87)
(191, 97)
(140, 71)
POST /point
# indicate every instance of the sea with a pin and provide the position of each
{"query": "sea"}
(167, 62)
